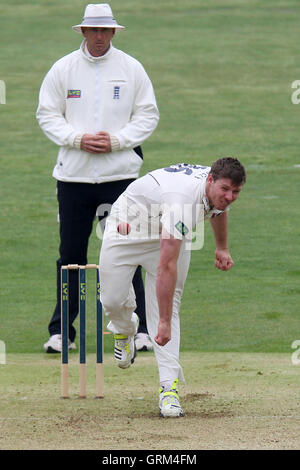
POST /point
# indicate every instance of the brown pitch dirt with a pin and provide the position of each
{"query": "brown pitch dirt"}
(230, 400)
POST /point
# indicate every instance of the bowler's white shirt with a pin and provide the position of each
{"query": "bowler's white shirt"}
(175, 196)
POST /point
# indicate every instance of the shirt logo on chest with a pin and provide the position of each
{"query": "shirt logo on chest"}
(74, 94)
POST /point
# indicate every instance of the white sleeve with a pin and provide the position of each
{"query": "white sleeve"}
(177, 215)
(51, 110)
(145, 114)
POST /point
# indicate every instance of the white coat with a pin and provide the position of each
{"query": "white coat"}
(83, 94)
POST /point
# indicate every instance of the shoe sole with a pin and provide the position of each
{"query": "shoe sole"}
(145, 348)
(171, 415)
(50, 350)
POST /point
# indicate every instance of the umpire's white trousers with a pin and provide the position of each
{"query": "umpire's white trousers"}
(119, 258)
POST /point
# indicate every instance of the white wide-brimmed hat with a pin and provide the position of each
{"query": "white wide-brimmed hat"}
(98, 15)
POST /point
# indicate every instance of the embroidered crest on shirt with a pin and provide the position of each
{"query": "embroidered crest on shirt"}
(182, 229)
(116, 93)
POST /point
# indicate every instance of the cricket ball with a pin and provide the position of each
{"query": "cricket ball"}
(123, 228)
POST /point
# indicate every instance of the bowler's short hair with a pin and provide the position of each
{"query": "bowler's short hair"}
(229, 167)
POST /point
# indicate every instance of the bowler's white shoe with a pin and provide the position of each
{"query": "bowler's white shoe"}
(54, 344)
(143, 342)
(125, 350)
(169, 402)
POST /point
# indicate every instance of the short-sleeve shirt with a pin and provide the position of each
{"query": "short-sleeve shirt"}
(174, 197)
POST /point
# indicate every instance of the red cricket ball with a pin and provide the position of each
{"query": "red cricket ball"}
(123, 228)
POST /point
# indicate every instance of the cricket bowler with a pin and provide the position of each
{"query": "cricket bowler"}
(161, 209)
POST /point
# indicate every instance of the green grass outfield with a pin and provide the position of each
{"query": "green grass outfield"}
(222, 72)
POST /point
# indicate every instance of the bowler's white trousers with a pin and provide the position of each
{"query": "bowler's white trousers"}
(119, 258)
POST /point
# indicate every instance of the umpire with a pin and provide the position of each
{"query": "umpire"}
(98, 104)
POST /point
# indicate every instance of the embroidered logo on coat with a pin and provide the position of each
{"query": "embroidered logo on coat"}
(74, 94)
(116, 93)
